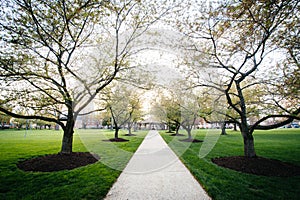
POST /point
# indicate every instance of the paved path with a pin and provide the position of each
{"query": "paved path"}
(155, 172)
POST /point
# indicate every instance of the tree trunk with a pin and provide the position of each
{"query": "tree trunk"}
(135, 127)
(169, 127)
(177, 128)
(249, 150)
(189, 133)
(67, 141)
(129, 129)
(234, 127)
(116, 132)
(223, 128)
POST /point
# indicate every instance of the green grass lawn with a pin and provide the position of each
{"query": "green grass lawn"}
(88, 182)
(221, 183)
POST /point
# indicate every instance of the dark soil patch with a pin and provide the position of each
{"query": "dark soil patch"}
(170, 132)
(130, 135)
(58, 162)
(258, 166)
(116, 140)
(177, 134)
(191, 140)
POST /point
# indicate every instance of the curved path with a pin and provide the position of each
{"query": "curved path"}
(155, 172)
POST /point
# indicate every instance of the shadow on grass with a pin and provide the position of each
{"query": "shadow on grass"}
(191, 140)
(177, 134)
(116, 140)
(130, 135)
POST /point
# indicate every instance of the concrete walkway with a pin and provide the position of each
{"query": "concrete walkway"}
(155, 172)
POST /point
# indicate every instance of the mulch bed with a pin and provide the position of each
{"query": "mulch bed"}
(116, 140)
(58, 162)
(130, 135)
(177, 134)
(191, 140)
(258, 166)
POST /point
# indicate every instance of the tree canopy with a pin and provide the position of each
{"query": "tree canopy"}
(56, 56)
(238, 42)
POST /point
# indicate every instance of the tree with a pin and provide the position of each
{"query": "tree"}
(215, 100)
(40, 124)
(287, 39)
(106, 121)
(47, 65)
(4, 119)
(189, 108)
(134, 109)
(37, 71)
(236, 41)
(173, 114)
(123, 105)
(180, 106)
(166, 109)
(20, 123)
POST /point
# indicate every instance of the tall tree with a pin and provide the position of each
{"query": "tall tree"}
(134, 109)
(167, 110)
(236, 41)
(189, 107)
(47, 63)
(180, 106)
(123, 105)
(38, 71)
